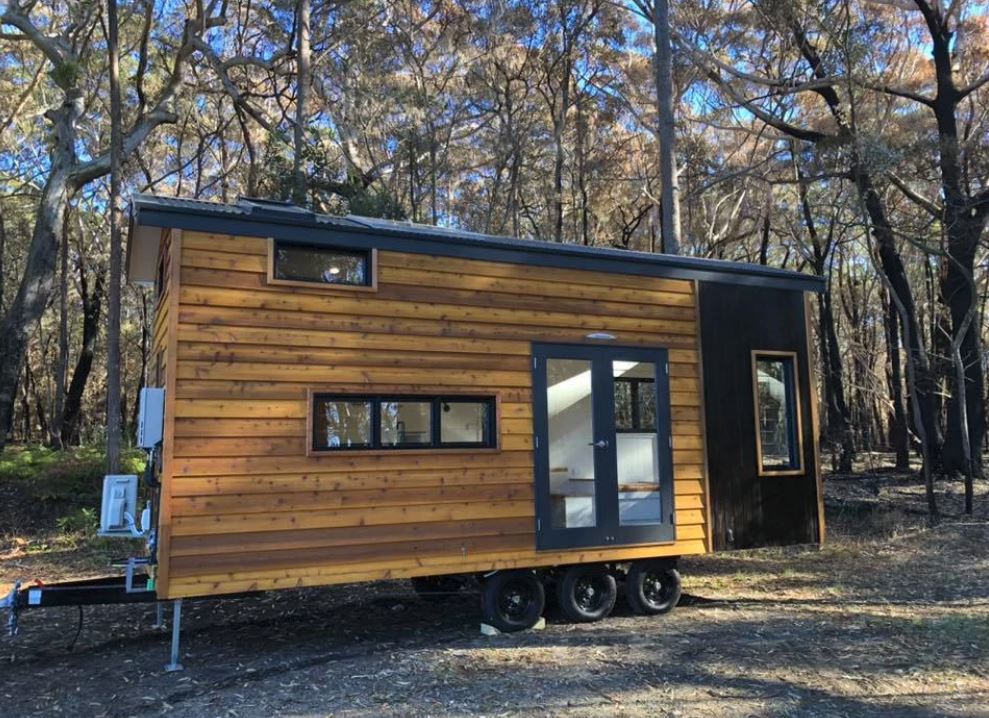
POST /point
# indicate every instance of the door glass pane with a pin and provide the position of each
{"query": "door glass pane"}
(571, 437)
(639, 498)
(406, 423)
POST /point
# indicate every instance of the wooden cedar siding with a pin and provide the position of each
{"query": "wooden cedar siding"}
(249, 510)
(165, 351)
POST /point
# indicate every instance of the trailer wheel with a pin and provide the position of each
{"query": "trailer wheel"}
(586, 593)
(652, 587)
(512, 600)
(436, 588)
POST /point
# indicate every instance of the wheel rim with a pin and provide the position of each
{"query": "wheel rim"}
(655, 589)
(589, 593)
(515, 599)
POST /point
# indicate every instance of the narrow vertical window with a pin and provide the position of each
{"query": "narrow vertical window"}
(777, 413)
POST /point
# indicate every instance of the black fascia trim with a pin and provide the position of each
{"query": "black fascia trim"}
(305, 229)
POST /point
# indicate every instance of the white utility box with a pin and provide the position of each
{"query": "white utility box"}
(119, 498)
(151, 418)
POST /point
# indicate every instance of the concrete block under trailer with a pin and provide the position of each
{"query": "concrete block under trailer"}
(344, 399)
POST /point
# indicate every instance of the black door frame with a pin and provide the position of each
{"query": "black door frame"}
(607, 531)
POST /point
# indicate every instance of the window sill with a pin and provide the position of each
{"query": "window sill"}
(320, 286)
(782, 472)
(459, 451)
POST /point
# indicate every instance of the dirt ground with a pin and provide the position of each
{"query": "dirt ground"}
(888, 619)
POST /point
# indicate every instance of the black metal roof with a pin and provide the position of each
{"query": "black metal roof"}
(283, 220)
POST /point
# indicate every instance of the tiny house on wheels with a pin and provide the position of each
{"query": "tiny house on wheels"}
(350, 399)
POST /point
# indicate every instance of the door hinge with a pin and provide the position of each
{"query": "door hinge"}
(671, 442)
(539, 524)
(535, 362)
(537, 442)
(667, 368)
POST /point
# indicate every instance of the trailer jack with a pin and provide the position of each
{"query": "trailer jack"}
(10, 603)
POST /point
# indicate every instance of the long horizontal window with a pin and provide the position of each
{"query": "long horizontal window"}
(342, 422)
(316, 264)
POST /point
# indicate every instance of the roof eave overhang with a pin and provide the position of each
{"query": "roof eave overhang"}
(148, 219)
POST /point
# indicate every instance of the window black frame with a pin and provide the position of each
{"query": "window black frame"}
(435, 418)
(791, 382)
(366, 254)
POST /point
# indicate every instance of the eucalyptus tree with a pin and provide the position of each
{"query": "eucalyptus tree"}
(68, 42)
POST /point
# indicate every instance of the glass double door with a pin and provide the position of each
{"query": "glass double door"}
(604, 465)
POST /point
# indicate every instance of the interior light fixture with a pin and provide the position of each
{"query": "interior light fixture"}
(601, 335)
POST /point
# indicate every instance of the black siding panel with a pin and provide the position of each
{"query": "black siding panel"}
(747, 510)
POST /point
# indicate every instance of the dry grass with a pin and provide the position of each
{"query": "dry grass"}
(888, 619)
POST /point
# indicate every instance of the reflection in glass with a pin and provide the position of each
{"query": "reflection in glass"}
(406, 423)
(465, 422)
(305, 263)
(339, 424)
(571, 437)
(776, 412)
(639, 498)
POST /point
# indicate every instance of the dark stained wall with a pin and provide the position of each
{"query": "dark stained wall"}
(747, 510)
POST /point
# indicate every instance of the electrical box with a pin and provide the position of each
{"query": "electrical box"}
(119, 499)
(151, 418)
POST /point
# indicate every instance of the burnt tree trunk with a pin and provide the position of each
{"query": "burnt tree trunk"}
(963, 219)
(898, 434)
(921, 382)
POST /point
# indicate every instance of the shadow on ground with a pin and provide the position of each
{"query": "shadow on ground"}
(893, 625)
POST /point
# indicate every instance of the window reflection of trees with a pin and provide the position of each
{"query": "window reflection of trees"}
(345, 424)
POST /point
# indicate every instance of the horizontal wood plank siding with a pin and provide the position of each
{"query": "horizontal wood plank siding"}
(165, 348)
(249, 510)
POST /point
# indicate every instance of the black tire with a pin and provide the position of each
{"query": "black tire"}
(512, 600)
(652, 588)
(586, 593)
(436, 588)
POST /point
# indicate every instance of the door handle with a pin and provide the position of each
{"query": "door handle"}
(599, 444)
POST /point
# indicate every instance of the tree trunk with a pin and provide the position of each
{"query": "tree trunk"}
(302, 100)
(31, 386)
(62, 369)
(921, 381)
(559, 127)
(663, 66)
(113, 438)
(839, 433)
(3, 256)
(914, 360)
(965, 429)
(36, 284)
(899, 437)
(963, 220)
(142, 375)
(91, 309)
